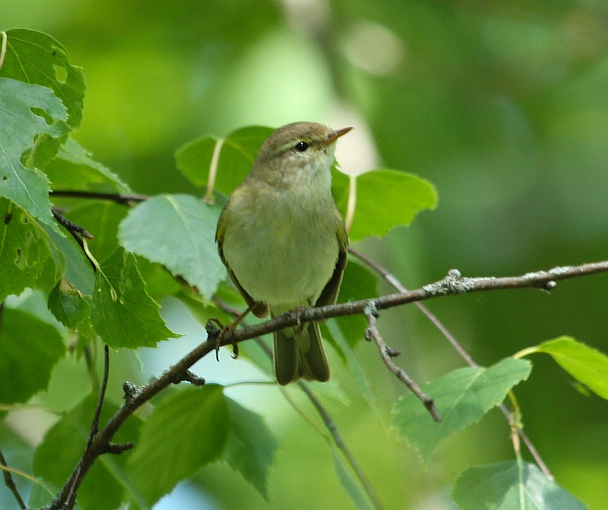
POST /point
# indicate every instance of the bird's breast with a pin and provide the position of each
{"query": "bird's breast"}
(282, 247)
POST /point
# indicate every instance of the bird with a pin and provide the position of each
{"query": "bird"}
(283, 241)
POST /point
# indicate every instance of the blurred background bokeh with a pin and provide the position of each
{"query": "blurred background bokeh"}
(502, 104)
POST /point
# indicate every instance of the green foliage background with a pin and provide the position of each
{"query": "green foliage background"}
(502, 105)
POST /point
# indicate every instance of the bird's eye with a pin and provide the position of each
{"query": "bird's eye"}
(301, 146)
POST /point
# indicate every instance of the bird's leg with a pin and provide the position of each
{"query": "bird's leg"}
(224, 330)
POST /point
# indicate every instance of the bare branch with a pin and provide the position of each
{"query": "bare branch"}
(67, 497)
(397, 285)
(119, 198)
(335, 434)
(451, 285)
(386, 353)
(394, 282)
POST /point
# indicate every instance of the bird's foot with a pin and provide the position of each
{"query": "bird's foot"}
(221, 337)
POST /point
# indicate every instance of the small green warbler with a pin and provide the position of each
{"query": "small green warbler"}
(283, 242)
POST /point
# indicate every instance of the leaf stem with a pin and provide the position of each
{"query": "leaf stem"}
(352, 202)
(3, 48)
(215, 159)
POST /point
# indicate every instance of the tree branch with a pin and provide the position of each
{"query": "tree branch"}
(451, 285)
(119, 198)
(335, 434)
(509, 416)
(67, 497)
(386, 353)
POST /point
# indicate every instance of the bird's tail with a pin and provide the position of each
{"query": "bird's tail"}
(298, 353)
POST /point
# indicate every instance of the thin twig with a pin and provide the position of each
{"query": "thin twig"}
(350, 458)
(10, 483)
(394, 282)
(119, 198)
(67, 497)
(387, 354)
(453, 284)
(77, 231)
(335, 434)
(327, 419)
(397, 285)
(448, 286)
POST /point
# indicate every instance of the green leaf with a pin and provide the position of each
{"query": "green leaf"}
(74, 168)
(27, 111)
(510, 486)
(37, 58)
(186, 431)
(462, 397)
(177, 231)
(587, 365)
(236, 153)
(385, 199)
(29, 349)
(250, 446)
(71, 308)
(351, 487)
(106, 483)
(123, 314)
(25, 254)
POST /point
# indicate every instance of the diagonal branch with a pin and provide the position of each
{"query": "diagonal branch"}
(509, 416)
(386, 353)
(67, 497)
(119, 198)
(452, 284)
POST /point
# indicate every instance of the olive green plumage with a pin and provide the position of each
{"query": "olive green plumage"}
(283, 242)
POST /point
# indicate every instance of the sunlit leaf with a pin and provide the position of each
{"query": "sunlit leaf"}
(385, 199)
(462, 397)
(27, 111)
(177, 231)
(75, 169)
(587, 365)
(511, 486)
(37, 58)
(236, 153)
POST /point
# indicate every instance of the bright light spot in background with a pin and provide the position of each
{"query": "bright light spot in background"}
(374, 48)
(185, 496)
(355, 152)
(179, 319)
(307, 15)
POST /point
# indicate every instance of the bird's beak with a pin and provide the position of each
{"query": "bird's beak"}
(334, 135)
